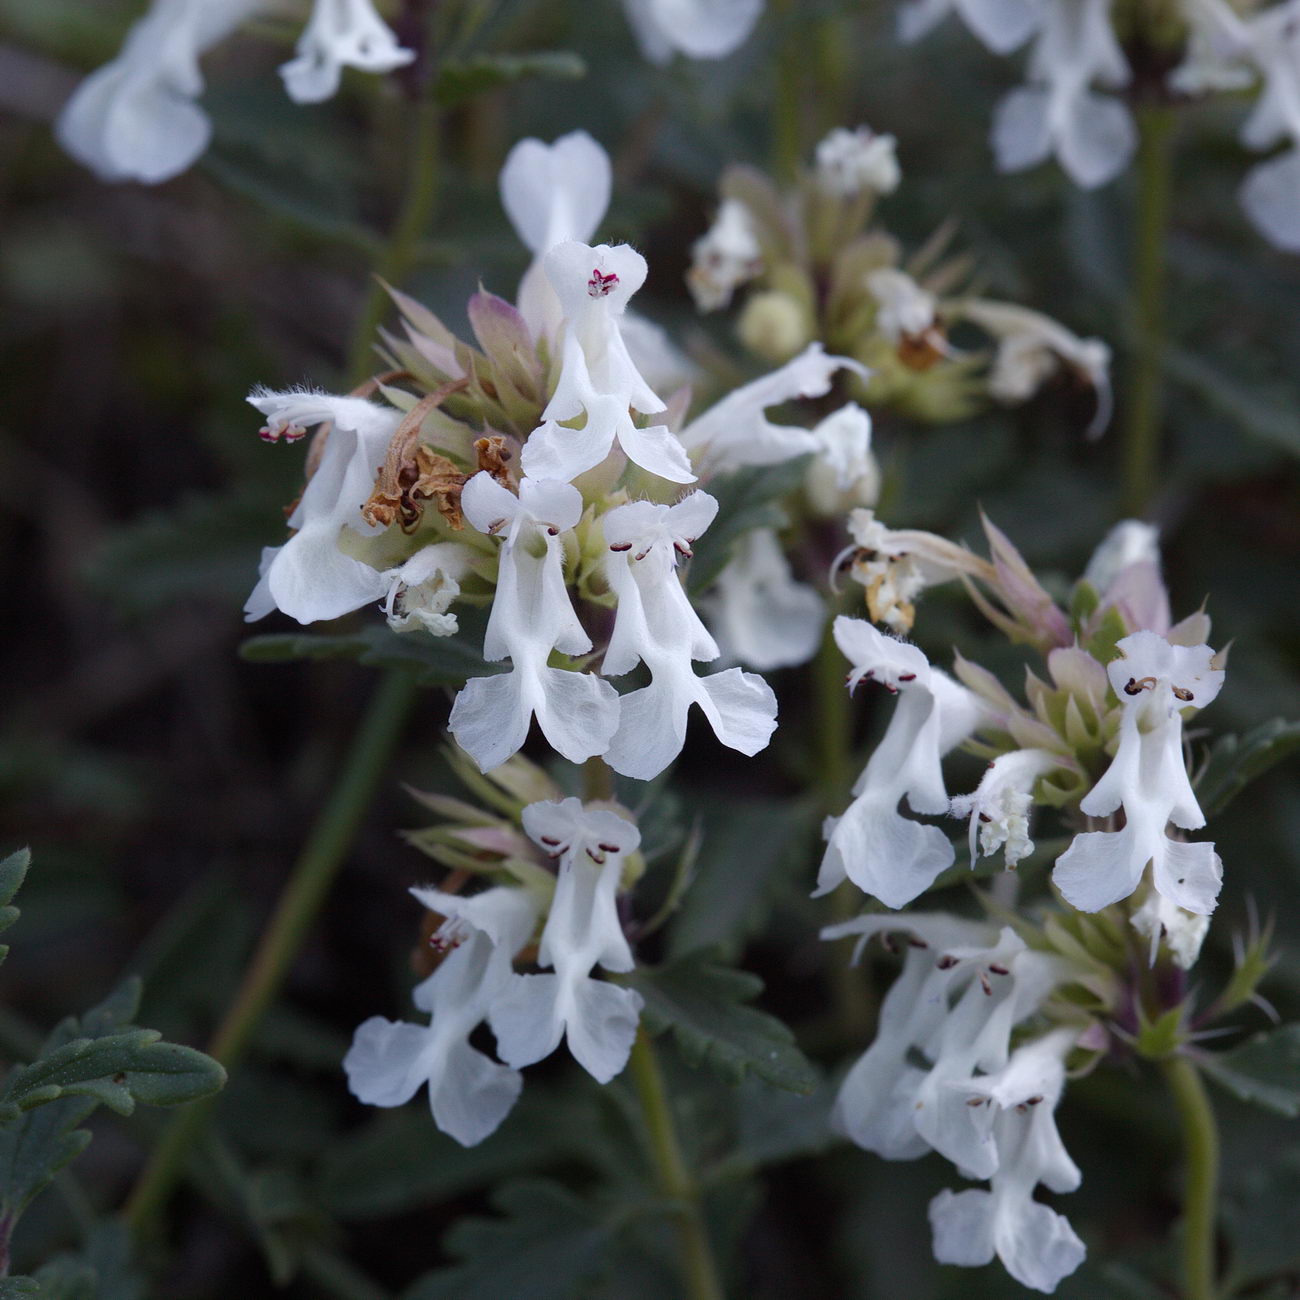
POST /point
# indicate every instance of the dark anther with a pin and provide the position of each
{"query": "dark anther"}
(1182, 693)
(621, 546)
(947, 961)
(907, 677)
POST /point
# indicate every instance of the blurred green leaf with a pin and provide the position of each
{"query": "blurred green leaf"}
(481, 73)
(1264, 412)
(1264, 1070)
(435, 661)
(17, 1286)
(746, 499)
(700, 1002)
(549, 1246)
(1261, 1219)
(13, 871)
(1235, 761)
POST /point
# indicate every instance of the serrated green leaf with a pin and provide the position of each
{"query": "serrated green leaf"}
(701, 1002)
(434, 661)
(548, 1246)
(1235, 761)
(458, 82)
(1264, 1070)
(746, 500)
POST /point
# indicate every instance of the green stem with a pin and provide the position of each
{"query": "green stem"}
(787, 126)
(295, 913)
(1200, 1185)
(1156, 123)
(672, 1174)
(833, 732)
(412, 221)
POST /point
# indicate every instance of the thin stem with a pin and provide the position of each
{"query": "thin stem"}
(402, 248)
(1200, 1184)
(787, 125)
(1156, 123)
(672, 1174)
(295, 913)
(833, 733)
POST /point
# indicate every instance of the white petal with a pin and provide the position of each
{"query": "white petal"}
(1037, 1246)
(556, 192)
(339, 34)
(1097, 140)
(963, 1227)
(602, 1027)
(474, 1094)
(1271, 198)
(1001, 24)
(1021, 137)
(700, 29)
(1189, 875)
(490, 718)
(1099, 868)
(578, 713)
(385, 1064)
(741, 707)
(526, 1020)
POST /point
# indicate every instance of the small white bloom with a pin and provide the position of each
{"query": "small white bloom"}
(469, 1093)
(1036, 1245)
(1184, 931)
(759, 614)
(1153, 680)
(598, 378)
(736, 431)
(1032, 348)
(1002, 25)
(872, 843)
(135, 118)
(421, 591)
(599, 1019)
(553, 194)
(849, 163)
(1124, 571)
(340, 34)
(725, 257)
(699, 29)
(309, 577)
(656, 625)
(1092, 136)
(531, 616)
(1129, 542)
(844, 472)
(1000, 806)
(906, 311)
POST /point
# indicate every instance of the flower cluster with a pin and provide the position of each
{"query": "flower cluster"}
(814, 266)
(1199, 47)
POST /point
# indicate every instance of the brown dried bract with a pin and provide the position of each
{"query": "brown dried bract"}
(922, 351)
(493, 456)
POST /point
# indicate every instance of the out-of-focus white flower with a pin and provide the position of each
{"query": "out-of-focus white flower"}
(340, 34)
(1092, 136)
(1002, 25)
(736, 430)
(599, 1019)
(421, 591)
(726, 256)
(884, 853)
(1124, 571)
(844, 468)
(1036, 1245)
(699, 29)
(1032, 348)
(469, 1093)
(1184, 931)
(999, 808)
(309, 577)
(854, 162)
(657, 626)
(906, 311)
(759, 614)
(531, 616)
(135, 118)
(598, 378)
(1154, 680)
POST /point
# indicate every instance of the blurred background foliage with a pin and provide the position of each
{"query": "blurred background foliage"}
(166, 785)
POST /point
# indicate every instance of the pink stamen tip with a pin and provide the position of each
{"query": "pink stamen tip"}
(600, 285)
(267, 434)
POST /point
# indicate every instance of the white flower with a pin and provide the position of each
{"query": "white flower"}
(1184, 931)
(656, 625)
(1036, 1245)
(726, 256)
(598, 377)
(1092, 135)
(1032, 348)
(849, 163)
(421, 591)
(843, 472)
(1001, 24)
(699, 29)
(553, 194)
(1129, 542)
(1000, 806)
(1124, 571)
(906, 311)
(736, 430)
(531, 616)
(469, 1093)
(309, 577)
(759, 614)
(339, 34)
(1153, 680)
(599, 1019)
(135, 118)
(872, 843)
